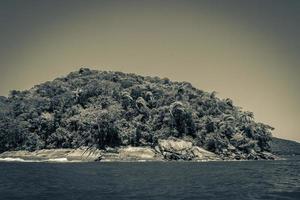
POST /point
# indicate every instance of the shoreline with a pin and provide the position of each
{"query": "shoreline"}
(64, 160)
(170, 150)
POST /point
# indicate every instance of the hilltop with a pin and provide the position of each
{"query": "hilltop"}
(111, 110)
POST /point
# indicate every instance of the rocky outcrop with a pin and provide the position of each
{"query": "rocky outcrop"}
(84, 154)
(177, 149)
(167, 149)
(201, 154)
(38, 155)
(138, 153)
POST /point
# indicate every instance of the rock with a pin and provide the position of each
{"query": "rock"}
(174, 145)
(177, 149)
(81, 154)
(248, 145)
(202, 154)
(174, 156)
(252, 155)
(39, 155)
(137, 153)
(84, 154)
(268, 156)
(156, 148)
(168, 149)
(15, 154)
(111, 150)
(52, 153)
(108, 156)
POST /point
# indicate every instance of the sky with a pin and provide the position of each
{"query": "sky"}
(248, 51)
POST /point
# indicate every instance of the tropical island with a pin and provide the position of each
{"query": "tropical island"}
(92, 115)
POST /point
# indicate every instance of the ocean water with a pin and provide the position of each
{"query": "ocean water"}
(151, 180)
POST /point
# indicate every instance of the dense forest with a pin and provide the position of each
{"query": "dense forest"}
(110, 109)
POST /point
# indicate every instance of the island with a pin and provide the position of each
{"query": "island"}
(92, 115)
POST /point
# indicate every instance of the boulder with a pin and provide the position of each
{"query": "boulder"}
(137, 153)
(177, 149)
(202, 154)
(174, 145)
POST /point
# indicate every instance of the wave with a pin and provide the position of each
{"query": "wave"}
(16, 160)
(23, 160)
(58, 160)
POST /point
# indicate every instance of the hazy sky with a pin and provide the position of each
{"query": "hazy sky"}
(246, 50)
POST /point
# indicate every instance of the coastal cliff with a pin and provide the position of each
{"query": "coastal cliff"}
(99, 115)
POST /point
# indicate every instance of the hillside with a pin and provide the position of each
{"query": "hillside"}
(100, 109)
(284, 147)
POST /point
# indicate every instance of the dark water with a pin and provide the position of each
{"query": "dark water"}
(173, 180)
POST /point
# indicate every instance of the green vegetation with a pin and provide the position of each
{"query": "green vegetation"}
(108, 109)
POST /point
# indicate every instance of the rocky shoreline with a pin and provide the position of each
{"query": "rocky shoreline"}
(166, 150)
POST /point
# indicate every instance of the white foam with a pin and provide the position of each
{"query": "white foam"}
(16, 160)
(22, 160)
(58, 160)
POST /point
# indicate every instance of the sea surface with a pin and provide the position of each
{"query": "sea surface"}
(151, 180)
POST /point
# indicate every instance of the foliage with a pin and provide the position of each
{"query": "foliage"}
(101, 109)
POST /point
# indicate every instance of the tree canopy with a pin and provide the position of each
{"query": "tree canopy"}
(108, 109)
